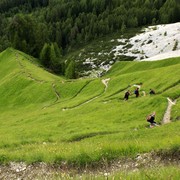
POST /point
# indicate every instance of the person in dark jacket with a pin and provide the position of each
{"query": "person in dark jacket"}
(126, 96)
(136, 92)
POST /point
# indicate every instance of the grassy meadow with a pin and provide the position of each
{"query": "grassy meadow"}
(46, 118)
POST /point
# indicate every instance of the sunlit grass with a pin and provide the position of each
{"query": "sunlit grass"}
(36, 126)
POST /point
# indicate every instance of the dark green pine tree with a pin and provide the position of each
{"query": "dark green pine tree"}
(123, 28)
(16, 41)
(70, 70)
(170, 11)
(53, 59)
(59, 59)
(45, 55)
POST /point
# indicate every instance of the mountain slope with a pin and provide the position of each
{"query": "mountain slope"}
(23, 81)
(147, 44)
(47, 118)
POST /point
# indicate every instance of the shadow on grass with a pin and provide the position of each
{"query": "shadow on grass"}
(80, 137)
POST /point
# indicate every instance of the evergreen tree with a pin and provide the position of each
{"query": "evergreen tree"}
(41, 37)
(123, 28)
(22, 30)
(45, 55)
(170, 11)
(16, 41)
(70, 70)
(58, 50)
(53, 58)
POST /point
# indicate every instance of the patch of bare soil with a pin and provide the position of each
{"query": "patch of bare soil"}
(167, 115)
(45, 171)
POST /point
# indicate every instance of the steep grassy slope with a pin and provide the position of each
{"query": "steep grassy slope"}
(47, 118)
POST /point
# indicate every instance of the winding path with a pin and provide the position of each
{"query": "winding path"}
(56, 92)
(29, 75)
(167, 115)
(105, 82)
(57, 102)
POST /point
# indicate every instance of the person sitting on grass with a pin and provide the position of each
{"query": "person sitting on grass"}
(152, 92)
(150, 118)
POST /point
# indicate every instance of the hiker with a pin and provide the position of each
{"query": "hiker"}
(136, 92)
(126, 96)
(150, 118)
(152, 92)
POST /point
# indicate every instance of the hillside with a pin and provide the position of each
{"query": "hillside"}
(85, 122)
(55, 31)
(149, 43)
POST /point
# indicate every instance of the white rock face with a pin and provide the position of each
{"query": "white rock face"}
(153, 42)
(162, 56)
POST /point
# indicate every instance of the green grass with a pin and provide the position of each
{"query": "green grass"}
(37, 126)
(156, 173)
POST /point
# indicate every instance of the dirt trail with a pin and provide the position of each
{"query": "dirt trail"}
(167, 115)
(105, 82)
(57, 102)
(56, 92)
(29, 75)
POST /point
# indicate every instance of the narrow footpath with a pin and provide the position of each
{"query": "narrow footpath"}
(29, 75)
(105, 82)
(167, 115)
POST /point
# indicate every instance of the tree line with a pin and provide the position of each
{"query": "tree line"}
(49, 29)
